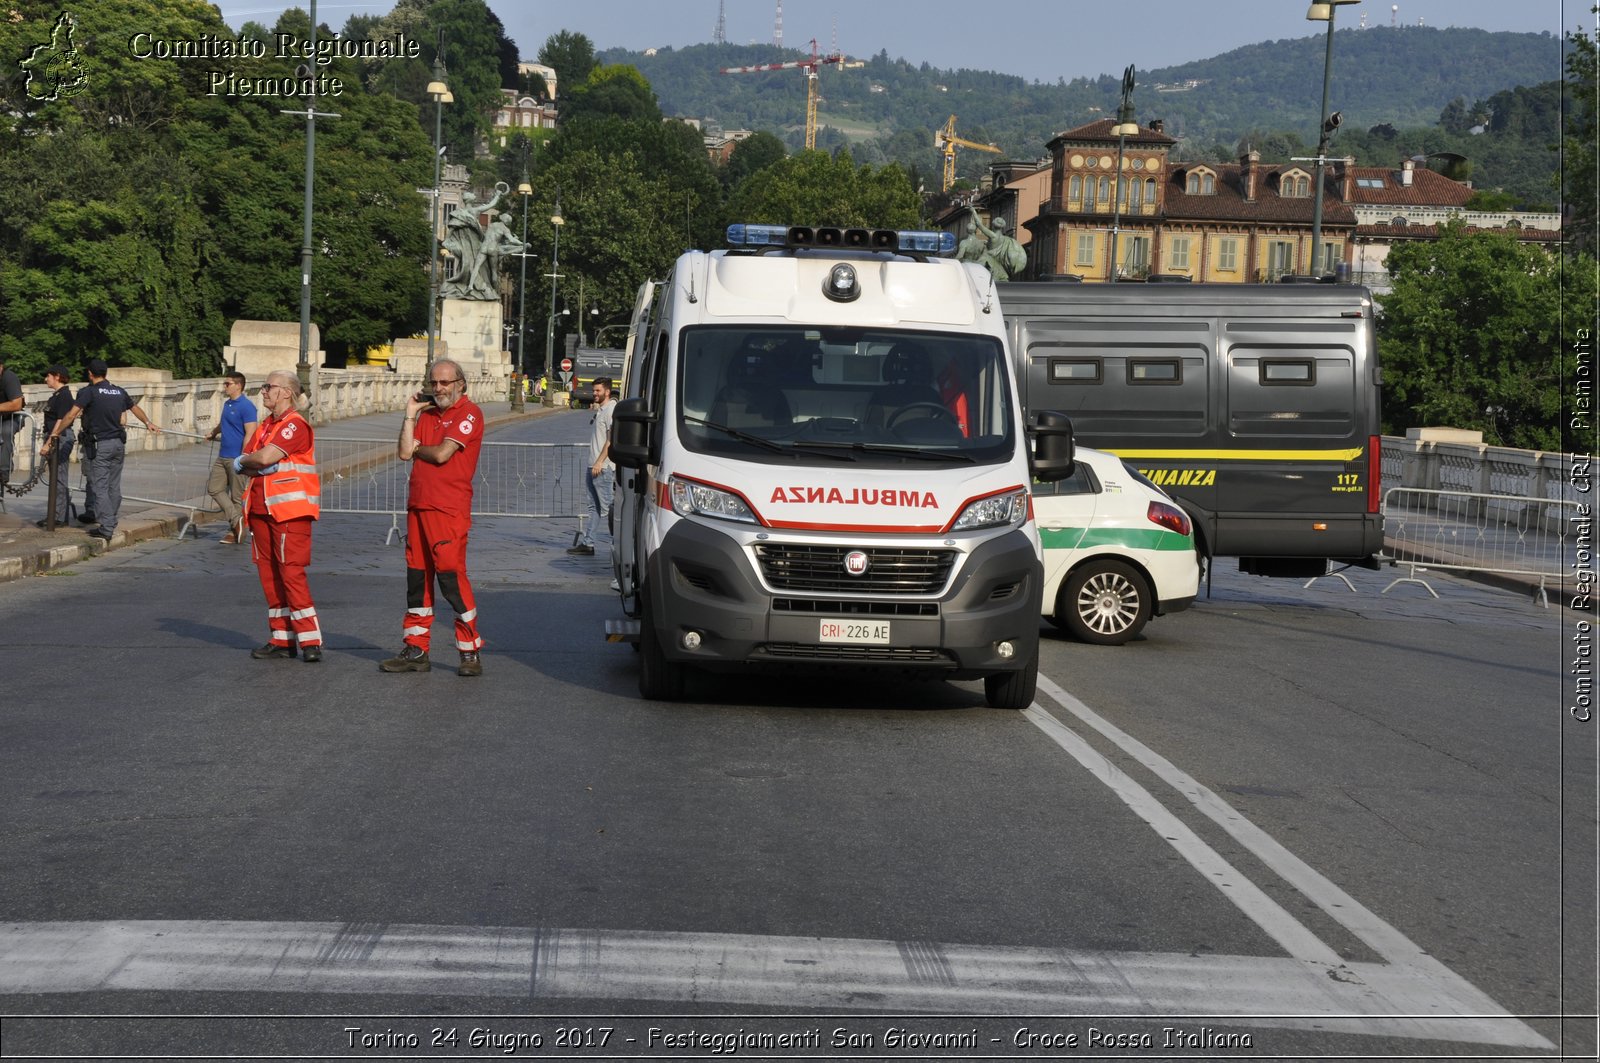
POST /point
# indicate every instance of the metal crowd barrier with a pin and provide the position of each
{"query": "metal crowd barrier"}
(536, 480)
(1509, 535)
(175, 478)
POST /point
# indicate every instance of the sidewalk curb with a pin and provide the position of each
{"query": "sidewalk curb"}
(147, 524)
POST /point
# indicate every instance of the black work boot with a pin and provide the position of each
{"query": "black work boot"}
(409, 659)
(470, 665)
(272, 652)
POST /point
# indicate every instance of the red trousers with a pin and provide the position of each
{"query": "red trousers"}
(281, 551)
(436, 550)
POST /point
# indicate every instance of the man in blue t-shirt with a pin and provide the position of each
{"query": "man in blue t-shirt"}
(237, 425)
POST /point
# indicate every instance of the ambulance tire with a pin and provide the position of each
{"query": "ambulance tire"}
(1012, 690)
(1104, 603)
(659, 678)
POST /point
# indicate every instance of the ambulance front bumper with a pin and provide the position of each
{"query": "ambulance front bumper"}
(711, 607)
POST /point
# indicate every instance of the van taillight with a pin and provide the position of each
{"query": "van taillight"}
(1374, 473)
(1169, 517)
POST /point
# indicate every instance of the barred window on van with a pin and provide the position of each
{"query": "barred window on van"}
(1291, 372)
(1074, 370)
(1155, 371)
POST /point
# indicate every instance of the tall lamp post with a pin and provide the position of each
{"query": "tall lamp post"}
(550, 325)
(1323, 11)
(308, 74)
(525, 190)
(1126, 127)
(441, 96)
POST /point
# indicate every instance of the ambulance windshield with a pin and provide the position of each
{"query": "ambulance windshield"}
(887, 396)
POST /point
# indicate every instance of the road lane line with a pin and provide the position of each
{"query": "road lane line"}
(1290, 934)
(827, 975)
(1399, 951)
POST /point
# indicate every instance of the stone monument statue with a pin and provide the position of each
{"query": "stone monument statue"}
(465, 239)
(1003, 256)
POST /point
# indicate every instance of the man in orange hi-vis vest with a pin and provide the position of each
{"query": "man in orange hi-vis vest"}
(441, 436)
(281, 503)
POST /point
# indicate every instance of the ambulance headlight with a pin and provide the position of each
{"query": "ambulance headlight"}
(690, 498)
(1006, 508)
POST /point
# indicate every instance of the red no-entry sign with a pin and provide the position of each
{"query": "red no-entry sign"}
(566, 365)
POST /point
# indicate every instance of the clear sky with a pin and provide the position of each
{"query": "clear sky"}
(1037, 39)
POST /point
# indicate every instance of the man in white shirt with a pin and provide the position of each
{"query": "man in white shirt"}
(602, 473)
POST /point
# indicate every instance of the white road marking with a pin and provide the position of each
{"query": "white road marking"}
(829, 975)
(1432, 986)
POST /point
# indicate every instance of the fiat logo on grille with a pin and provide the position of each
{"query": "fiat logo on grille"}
(855, 562)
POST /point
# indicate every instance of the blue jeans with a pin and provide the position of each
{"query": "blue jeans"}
(600, 491)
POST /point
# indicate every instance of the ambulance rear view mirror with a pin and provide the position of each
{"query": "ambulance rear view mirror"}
(632, 434)
(1052, 457)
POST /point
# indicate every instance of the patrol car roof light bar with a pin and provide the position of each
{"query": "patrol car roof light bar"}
(904, 241)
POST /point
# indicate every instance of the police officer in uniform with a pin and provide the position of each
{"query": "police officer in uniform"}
(56, 408)
(101, 404)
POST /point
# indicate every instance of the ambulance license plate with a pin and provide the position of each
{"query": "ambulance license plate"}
(870, 632)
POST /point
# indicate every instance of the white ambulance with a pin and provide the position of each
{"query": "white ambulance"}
(823, 462)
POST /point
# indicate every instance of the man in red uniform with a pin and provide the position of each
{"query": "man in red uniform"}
(281, 503)
(441, 437)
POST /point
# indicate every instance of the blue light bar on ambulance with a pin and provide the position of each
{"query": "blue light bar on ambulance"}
(916, 241)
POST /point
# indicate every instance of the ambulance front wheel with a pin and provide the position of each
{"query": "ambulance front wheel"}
(1012, 690)
(659, 678)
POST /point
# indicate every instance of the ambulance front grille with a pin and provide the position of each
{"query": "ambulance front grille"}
(910, 655)
(890, 570)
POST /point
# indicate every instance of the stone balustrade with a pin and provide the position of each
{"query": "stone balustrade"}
(192, 407)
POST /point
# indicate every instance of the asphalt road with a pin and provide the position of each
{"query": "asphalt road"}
(1289, 822)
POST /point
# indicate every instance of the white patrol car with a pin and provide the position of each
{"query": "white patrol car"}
(1117, 550)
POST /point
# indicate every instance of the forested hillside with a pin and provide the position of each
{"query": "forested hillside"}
(1397, 82)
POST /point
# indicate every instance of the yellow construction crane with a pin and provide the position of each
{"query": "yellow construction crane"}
(810, 67)
(945, 140)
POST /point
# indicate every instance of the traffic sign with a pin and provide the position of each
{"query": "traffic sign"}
(566, 365)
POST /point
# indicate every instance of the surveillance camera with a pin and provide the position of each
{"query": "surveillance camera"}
(1335, 120)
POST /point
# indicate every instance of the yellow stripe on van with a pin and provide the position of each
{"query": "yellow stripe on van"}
(1350, 454)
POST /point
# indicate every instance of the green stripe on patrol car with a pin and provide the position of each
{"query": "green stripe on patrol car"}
(1130, 538)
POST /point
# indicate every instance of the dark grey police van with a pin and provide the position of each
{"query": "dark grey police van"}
(588, 365)
(1254, 405)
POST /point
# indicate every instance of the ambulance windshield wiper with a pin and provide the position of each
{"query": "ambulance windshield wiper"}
(891, 448)
(743, 437)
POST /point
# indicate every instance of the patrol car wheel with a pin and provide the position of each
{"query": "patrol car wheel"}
(659, 678)
(1105, 603)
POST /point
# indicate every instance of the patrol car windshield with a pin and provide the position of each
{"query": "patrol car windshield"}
(875, 396)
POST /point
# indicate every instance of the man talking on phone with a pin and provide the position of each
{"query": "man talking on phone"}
(441, 436)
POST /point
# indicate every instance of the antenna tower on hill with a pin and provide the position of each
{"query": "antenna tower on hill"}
(719, 35)
(777, 28)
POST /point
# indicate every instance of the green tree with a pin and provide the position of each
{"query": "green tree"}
(1471, 336)
(751, 155)
(1582, 191)
(620, 91)
(813, 188)
(571, 56)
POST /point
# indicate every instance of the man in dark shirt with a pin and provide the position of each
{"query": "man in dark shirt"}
(56, 408)
(102, 404)
(10, 411)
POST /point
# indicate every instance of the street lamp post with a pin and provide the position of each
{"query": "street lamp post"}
(441, 96)
(550, 325)
(1126, 127)
(304, 368)
(1321, 11)
(525, 190)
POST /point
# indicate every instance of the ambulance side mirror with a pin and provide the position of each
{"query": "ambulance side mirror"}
(632, 432)
(1051, 436)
